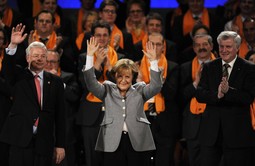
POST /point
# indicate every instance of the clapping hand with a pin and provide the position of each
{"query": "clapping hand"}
(92, 46)
(150, 52)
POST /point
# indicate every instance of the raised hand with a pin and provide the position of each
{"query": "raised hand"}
(92, 46)
(150, 52)
(17, 35)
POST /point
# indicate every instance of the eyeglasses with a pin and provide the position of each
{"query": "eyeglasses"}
(52, 62)
(135, 11)
(44, 21)
(109, 11)
(157, 44)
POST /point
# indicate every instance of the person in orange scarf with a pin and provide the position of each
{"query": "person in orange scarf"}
(190, 73)
(135, 23)
(196, 14)
(45, 32)
(91, 110)
(121, 41)
(249, 37)
(154, 23)
(164, 113)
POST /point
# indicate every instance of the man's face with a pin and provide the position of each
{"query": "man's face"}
(136, 13)
(102, 36)
(44, 24)
(249, 31)
(202, 47)
(50, 5)
(108, 14)
(154, 26)
(37, 59)
(157, 41)
(52, 61)
(196, 6)
(228, 50)
(247, 6)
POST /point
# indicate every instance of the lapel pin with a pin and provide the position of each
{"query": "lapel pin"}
(49, 82)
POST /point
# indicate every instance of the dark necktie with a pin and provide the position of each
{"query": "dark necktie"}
(44, 40)
(152, 109)
(225, 70)
(196, 18)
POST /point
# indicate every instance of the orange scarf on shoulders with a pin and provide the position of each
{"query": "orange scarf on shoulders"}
(189, 22)
(51, 43)
(138, 35)
(144, 68)
(57, 20)
(252, 111)
(243, 49)
(116, 30)
(112, 55)
(7, 17)
(79, 40)
(79, 21)
(1, 58)
(238, 21)
(195, 106)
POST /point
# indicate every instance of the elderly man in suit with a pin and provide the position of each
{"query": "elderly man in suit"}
(35, 126)
(225, 86)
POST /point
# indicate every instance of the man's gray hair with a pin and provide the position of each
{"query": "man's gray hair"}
(33, 45)
(230, 34)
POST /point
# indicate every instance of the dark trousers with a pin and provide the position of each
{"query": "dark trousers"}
(125, 155)
(4, 154)
(28, 157)
(215, 154)
(194, 152)
(92, 157)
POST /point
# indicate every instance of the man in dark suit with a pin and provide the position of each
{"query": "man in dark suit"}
(225, 86)
(190, 73)
(35, 126)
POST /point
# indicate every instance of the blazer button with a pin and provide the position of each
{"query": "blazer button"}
(123, 108)
(123, 100)
(124, 115)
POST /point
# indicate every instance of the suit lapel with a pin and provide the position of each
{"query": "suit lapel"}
(30, 86)
(46, 88)
(236, 69)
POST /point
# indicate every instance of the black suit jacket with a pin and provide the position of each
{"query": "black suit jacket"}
(190, 122)
(18, 128)
(231, 114)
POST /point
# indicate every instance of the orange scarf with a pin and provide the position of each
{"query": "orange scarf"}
(57, 20)
(238, 21)
(137, 35)
(144, 68)
(79, 21)
(7, 17)
(145, 40)
(112, 55)
(243, 49)
(79, 40)
(1, 58)
(195, 106)
(252, 111)
(189, 22)
(36, 7)
(116, 30)
(51, 43)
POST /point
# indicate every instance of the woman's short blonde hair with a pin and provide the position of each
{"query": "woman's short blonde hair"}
(124, 64)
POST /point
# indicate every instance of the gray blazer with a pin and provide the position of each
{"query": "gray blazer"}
(119, 109)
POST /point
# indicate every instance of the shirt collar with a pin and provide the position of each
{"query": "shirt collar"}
(231, 64)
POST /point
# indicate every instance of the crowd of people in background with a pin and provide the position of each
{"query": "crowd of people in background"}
(122, 85)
